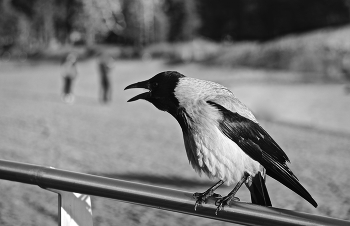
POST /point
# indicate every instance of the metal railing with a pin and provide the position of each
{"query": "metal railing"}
(153, 196)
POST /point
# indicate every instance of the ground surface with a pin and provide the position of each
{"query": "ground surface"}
(137, 142)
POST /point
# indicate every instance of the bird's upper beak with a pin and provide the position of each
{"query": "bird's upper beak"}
(144, 85)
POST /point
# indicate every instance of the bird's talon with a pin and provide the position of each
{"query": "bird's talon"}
(197, 195)
(203, 197)
(222, 202)
(200, 198)
(218, 209)
(195, 205)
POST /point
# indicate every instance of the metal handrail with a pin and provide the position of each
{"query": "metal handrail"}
(154, 196)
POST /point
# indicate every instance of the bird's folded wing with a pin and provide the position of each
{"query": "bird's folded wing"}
(260, 146)
(250, 135)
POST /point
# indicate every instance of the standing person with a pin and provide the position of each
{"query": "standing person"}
(69, 73)
(345, 68)
(105, 65)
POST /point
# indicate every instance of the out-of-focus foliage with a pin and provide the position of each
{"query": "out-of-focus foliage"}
(263, 20)
(7, 30)
(35, 24)
(323, 53)
(144, 22)
(183, 19)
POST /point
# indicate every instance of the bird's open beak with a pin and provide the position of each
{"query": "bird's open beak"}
(144, 85)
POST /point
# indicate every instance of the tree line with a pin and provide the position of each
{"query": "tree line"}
(36, 24)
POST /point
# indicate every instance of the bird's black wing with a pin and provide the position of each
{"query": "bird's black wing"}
(260, 146)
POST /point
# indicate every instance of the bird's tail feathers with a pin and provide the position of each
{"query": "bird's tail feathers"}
(258, 191)
(291, 181)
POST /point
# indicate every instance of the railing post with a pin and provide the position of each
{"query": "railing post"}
(74, 209)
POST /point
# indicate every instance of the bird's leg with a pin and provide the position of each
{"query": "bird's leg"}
(202, 197)
(231, 196)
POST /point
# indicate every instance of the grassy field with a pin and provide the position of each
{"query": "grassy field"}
(137, 142)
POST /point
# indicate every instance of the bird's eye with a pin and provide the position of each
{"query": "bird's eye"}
(156, 84)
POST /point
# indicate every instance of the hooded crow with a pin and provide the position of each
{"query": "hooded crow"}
(222, 137)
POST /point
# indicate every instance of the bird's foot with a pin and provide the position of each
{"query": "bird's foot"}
(203, 197)
(225, 201)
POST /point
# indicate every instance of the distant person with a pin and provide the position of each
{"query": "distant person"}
(329, 61)
(69, 74)
(105, 65)
(345, 68)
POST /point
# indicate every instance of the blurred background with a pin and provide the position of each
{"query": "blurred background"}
(64, 65)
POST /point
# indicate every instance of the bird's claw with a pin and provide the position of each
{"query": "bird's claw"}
(220, 206)
(203, 197)
(225, 201)
(196, 204)
(200, 198)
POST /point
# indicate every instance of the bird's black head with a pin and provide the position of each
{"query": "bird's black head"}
(161, 90)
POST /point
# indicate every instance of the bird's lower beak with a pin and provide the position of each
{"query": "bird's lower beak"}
(144, 85)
